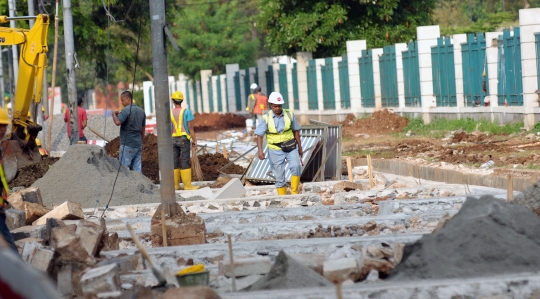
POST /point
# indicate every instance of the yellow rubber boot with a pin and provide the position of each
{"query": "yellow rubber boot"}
(186, 179)
(282, 191)
(295, 181)
(177, 179)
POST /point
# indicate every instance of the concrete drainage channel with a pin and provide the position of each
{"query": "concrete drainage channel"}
(315, 227)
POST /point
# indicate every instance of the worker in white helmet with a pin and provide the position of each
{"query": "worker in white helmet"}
(283, 137)
(252, 101)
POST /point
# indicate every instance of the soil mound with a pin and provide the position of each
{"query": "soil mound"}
(210, 163)
(486, 237)
(216, 121)
(287, 273)
(382, 121)
(463, 136)
(31, 173)
(86, 174)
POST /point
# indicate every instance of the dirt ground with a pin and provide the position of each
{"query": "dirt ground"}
(210, 163)
(215, 121)
(514, 152)
(29, 174)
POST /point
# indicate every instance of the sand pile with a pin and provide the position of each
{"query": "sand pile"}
(100, 123)
(487, 237)
(86, 174)
(288, 273)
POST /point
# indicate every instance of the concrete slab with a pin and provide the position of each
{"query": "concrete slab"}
(15, 219)
(29, 231)
(233, 189)
(246, 266)
(199, 194)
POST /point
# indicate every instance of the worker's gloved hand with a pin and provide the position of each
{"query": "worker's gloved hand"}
(261, 156)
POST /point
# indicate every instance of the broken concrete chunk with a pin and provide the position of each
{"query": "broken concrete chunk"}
(109, 241)
(36, 255)
(101, 279)
(68, 277)
(34, 212)
(182, 229)
(346, 186)
(28, 232)
(15, 219)
(90, 235)
(20, 243)
(33, 195)
(69, 246)
(233, 189)
(246, 266)
(69, 210)
(398, 252)
(125, 263)
(340, 270)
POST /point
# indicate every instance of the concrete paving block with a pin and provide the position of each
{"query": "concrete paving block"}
(233, 189)
(34, 231)
(15, 218)
(36, 255)
(90, 235)
(69, 210)
(100, 280)
(205, 193)
(32, 194)
(246, 266)
(340, 270)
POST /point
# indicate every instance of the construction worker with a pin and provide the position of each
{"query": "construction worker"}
(260, 105)
(4, 230)
(251, 100)
(283, 137)
(183, 135)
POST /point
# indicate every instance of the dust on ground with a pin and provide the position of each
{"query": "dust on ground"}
(31, 173)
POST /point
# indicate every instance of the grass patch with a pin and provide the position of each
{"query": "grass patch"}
(440, 126)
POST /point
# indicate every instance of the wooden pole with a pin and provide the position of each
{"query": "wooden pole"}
(163, 226)
(225, 154)
(370, 172)
(217, 148)
(339, 290)
(232, 263)
(509, 187)
(53, 81)
(349, 169)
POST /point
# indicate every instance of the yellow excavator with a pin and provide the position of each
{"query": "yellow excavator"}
(20, 148)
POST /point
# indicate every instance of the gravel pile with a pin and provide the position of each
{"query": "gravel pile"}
(85, 174)
(59, 138)
(486, 237)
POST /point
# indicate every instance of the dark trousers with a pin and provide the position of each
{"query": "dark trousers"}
(4, 230)
(181, 145)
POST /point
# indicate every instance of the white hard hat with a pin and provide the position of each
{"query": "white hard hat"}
(276, 98)
(253, 86)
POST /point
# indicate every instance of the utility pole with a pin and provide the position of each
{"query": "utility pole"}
(161, 89)
(11, 5)
(70, 72)
(31, 12)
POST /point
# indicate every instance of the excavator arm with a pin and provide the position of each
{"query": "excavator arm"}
(20, 149)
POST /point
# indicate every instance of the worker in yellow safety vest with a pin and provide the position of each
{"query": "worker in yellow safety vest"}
(183, 137)
(4, 230)
(283, 137)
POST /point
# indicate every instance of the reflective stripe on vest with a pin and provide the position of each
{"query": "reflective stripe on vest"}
(178, 126)
(272, 135)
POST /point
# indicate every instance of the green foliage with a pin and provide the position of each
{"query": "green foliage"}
(323, 26)
(211, 35)
(487, 23)
(440, 126)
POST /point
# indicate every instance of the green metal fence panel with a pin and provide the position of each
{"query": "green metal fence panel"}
(444, 73)
(411, 75)
(227, 107)
(195, 102)
(388, 75)
(313, 97)
(237, 94)
(284, 85)
(219, 96)
(247, 84)
(294, 73)
(344, 87)
(367, 83)
(210, 95)
(256, 79)
(537, 41)
(327, 74)
(475, 71)
(510, 86)
(269, 80)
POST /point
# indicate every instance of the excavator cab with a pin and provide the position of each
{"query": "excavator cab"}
(21, 148)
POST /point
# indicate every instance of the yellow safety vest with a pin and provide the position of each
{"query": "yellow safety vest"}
(178, 126)
(272, 135)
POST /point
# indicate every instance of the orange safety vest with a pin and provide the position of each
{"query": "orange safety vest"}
(260, 104)
(178, 126)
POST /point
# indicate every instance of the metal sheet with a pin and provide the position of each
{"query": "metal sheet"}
(258, 169)
(332, 167)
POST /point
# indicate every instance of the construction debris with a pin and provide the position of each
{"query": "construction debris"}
(15, 219)
(181, 229)
(246, 267)
(100, 280)
(485, 237)
(69, 210)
